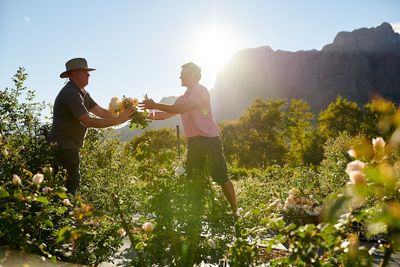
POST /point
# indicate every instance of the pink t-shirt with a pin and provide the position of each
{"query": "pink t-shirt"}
(198, 121)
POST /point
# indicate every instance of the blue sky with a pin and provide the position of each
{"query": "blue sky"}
(138, 47)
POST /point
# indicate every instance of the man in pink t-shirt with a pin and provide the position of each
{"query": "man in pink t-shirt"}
(200, 129)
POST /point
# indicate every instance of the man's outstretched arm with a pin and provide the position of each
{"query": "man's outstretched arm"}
(172, 109)
(91, 122)
(101, 112)
(159, 115)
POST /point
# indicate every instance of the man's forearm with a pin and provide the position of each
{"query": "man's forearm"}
(101, 122)
(172, 109)
(106, 114)
(101, 112)
(160, 116)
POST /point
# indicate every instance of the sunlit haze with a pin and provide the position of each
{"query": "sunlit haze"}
(138, 47)
(212, 47)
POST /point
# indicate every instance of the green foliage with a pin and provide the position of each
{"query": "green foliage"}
(160, 143)
(342, 115)
(298, 131)
(133, 187)
(378, 118)
(262, 124)
(36, 214)
(332, 169)
(257, 136)
(22, 135)
(189, 214)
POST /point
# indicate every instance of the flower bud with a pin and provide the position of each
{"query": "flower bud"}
(179, 171)
(211, 243)
(16, 180)
(66, 202)
(378, 143)
(37, 179)
(47, 170)
(148, 227)
(47, 190)
(122, 232)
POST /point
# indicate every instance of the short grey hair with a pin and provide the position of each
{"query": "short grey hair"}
(193, 69)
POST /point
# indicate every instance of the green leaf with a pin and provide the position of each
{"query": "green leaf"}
(140, 245)
(336, 206)
(43, 200)
(4, 193)
(61, 194)
(64, 233)
(61, 210)
(49, 223)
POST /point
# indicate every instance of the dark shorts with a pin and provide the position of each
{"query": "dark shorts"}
(202, 150)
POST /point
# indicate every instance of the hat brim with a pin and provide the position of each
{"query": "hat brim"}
(64, 74)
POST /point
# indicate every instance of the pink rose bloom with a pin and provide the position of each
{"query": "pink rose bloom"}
(148, 227)
(357, 177)
(355, 165)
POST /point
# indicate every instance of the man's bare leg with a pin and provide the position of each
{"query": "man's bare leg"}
(229, 193)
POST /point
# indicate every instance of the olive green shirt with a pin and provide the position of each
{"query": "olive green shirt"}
(71, 103)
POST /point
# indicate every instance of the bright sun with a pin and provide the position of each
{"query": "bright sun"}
(212, 48)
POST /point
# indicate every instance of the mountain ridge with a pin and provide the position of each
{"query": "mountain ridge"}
(357, 65)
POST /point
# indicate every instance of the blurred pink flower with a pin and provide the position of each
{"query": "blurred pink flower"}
(291, 200)
(37, 179)
(357, 177)
(355, 165)
(47, 190)
(148, 227)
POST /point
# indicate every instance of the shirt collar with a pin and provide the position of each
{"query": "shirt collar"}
(73, 84)
(189, 90)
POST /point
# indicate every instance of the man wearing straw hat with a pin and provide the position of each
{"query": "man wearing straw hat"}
(200, 129)
(71, 118)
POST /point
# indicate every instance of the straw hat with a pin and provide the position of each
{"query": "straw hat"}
(75, 64)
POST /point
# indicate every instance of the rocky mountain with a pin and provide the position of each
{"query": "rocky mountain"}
(357, 65)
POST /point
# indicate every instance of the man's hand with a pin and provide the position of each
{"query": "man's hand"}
(147, 104)
(125, 115)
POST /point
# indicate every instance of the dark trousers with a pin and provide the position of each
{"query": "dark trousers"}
(68, 159)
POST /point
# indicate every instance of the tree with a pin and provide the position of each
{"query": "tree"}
(299, 131)
(22, 134)
(259, 134)
(378, 118)
(340, 116)
(230, 133)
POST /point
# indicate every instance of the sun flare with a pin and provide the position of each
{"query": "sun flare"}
(212, 48)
